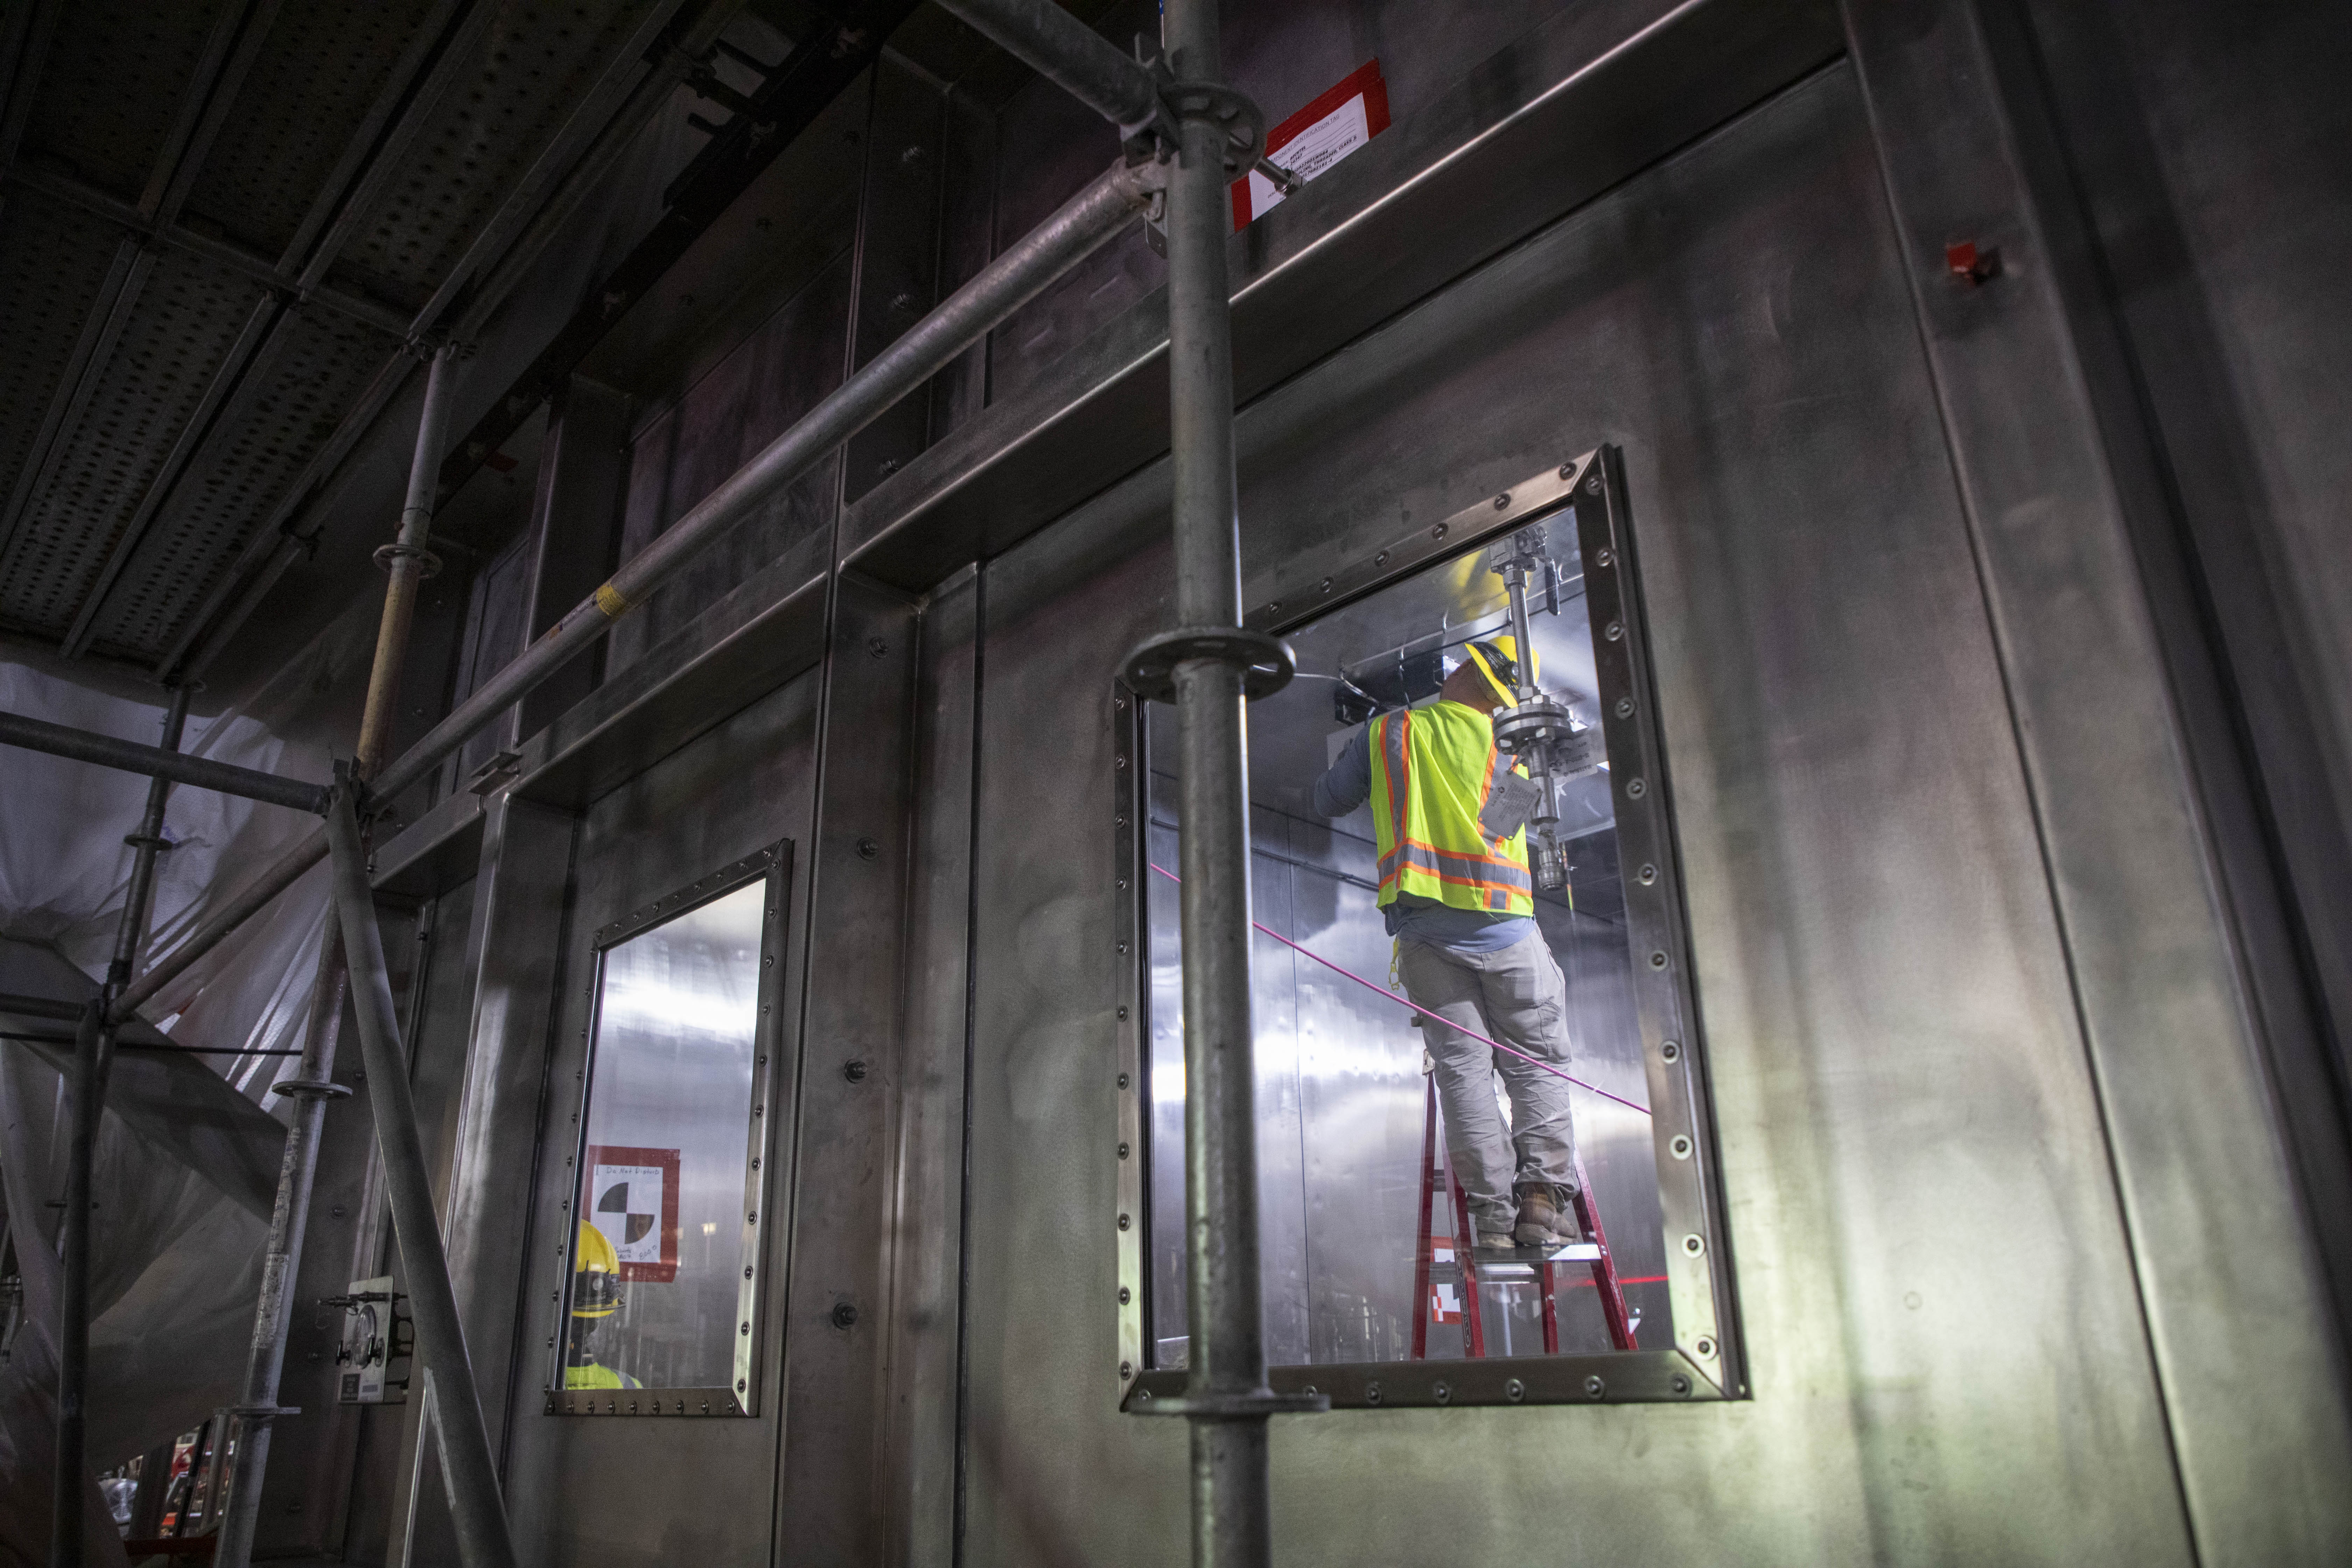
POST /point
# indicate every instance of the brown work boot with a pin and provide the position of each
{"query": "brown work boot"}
(1547, 1217)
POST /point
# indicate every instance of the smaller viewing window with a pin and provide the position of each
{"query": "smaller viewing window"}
(664, 1248)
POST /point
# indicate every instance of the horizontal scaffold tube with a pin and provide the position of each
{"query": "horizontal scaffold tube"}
(1067, 53)
(1081, 227)
(63, 740)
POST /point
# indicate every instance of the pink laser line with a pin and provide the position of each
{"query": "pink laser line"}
(1384, 991)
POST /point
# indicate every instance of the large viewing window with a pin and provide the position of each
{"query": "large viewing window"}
(1374, 1289)
(664, 1248)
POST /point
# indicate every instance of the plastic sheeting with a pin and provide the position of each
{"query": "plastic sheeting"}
(175, 1251)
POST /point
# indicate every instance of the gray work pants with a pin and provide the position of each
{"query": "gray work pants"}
(1517, 996)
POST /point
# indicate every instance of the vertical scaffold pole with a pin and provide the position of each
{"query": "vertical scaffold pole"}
(312, 1083)
(93, 1066)
(1227, 1398)
(483, 1540)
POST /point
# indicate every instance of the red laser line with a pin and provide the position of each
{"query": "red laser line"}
(1512, 1050)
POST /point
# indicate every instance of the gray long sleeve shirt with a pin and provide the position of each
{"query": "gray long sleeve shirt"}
(1346, 785)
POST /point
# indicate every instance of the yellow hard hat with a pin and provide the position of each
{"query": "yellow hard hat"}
(597, 1275)
(1497, 659)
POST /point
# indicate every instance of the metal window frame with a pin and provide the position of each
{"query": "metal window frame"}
(773, 867)
(1706, 1361)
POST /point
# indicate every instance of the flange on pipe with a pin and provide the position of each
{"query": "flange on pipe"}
(1266, 662)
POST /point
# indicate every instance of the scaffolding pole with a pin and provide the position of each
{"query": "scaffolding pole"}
(1207, 666)
(471, 1475)
(1082, 225)
(312, 1083)
(93, 1065)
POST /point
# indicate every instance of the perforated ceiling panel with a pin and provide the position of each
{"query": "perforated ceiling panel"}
(540, 58)
(53, 260)
(186, 319)
(112, 82)
(109, 89)
(320, 71)
(230, 492)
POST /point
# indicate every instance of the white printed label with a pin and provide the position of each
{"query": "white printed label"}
(1312, 151)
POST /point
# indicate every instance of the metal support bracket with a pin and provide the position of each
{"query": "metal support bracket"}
(1266, 662)
(311, 1089)
(1252, 1406)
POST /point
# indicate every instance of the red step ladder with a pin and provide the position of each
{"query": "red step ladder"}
(1436, 1166)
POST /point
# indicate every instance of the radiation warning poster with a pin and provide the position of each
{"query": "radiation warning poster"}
(631, 1197)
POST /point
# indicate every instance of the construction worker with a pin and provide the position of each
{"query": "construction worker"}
(595, 1296)
(1458, 900)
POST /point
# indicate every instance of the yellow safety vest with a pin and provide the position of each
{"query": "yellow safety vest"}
(1432, 770)
(594, 1375)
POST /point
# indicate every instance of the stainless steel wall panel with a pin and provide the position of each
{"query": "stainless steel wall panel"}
(1624, 82)
(2138, 805)
(632, 1491)
(746, 401)
(919, 1400)
(515, 953)
(898, 256)
(853, 1073)
(2201, 148)
(575, 519)
(1936, 1287)
(768, 630)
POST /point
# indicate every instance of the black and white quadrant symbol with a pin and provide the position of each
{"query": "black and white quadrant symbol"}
(629, 1209)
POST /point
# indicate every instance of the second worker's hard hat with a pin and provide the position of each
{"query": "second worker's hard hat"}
(595, 1274)
(1497, 659)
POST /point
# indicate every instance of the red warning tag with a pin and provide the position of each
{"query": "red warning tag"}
(1337, 122)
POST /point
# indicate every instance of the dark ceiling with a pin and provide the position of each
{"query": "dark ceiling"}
(224, 225)
(227, 227)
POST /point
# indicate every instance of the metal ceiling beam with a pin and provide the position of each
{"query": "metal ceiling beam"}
(223, 253)
(26, 52)
(343, 203)
(282, 540)
(230, 50)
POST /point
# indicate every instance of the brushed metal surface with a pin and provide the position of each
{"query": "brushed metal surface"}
(921, 1442)
(1935, 1277)
(2135, 797)
(1340, 1071)
(1444, 188)
(580, 1487)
